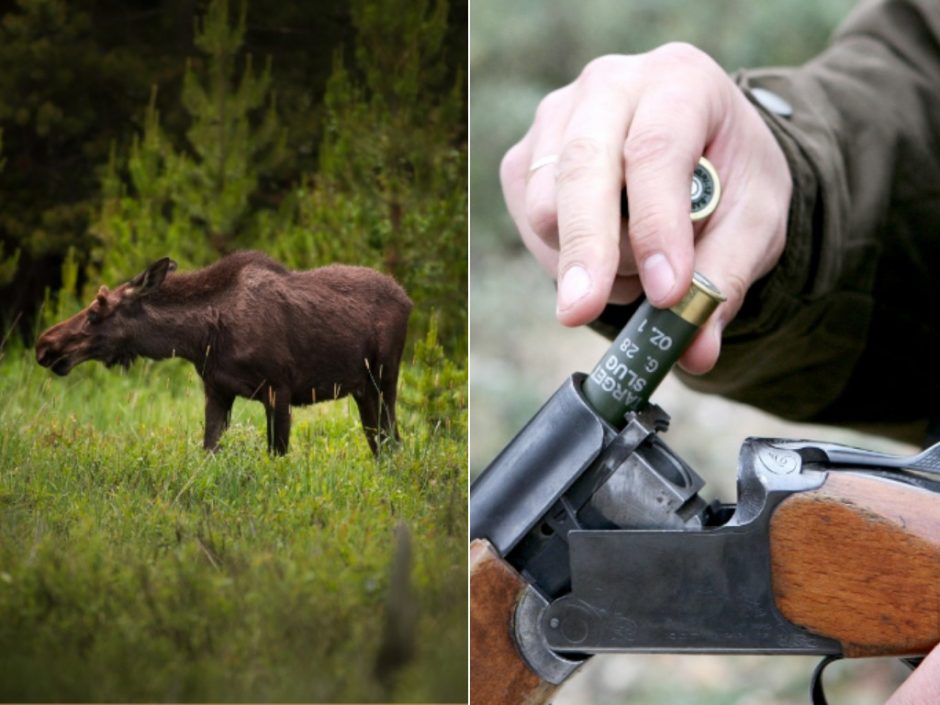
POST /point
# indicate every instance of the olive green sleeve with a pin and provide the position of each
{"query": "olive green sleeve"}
(846, 328)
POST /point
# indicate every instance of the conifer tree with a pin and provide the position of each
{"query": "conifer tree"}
(140, 220)
(194, 201)
(229, 152)
(391, 185)
(8, 263)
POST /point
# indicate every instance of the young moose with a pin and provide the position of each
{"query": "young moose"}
(256, 330)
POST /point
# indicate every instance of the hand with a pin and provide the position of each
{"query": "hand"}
(923, 685)
(645, 120)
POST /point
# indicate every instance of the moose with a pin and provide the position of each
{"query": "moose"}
(256, 330)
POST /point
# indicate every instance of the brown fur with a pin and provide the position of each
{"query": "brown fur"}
(253, 329)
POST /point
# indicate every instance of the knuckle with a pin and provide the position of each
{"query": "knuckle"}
(579, 158)
(734, 287)
(543, 217)
(683, 67)
(603, 68)
(512, 168)
(577, 237)
(650, 147)
(646, 228)
(679, 55)
(579, 242)
(549, 106)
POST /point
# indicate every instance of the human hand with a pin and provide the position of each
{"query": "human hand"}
(923, 685)
(645, 120)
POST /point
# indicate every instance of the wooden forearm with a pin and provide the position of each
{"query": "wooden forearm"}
(498, 675)
(858, 560)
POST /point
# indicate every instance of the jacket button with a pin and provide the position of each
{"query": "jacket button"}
(772, 102)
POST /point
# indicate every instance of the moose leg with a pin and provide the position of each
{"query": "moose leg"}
(277, 411)
(368, 403)
(387, 368)
(218, 414)
(387, 402)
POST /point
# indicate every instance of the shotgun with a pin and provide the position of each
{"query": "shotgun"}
(590, 535)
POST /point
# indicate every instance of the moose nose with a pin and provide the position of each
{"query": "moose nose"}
(44, 354)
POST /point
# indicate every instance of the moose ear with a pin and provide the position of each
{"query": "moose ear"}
(151, 278)
(99, 306)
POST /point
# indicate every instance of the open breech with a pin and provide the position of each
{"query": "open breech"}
(829, 550)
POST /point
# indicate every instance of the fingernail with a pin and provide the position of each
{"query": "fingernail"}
(658, 277)
(575, 285)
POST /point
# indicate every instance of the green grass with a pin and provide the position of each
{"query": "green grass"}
(133, 566)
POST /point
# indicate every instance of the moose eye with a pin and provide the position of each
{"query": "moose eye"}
(94, 315)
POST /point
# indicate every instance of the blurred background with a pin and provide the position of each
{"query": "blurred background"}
(519, 355)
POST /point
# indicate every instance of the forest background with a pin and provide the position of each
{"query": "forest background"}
(132, 565)
(318, 132)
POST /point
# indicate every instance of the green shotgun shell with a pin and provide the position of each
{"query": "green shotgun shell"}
(654, 339)
(646, 349)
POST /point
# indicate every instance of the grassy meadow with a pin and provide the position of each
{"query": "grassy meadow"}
(136, 567)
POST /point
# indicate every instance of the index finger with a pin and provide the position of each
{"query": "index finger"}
(588, 183)
(678, 114)
(665, 142)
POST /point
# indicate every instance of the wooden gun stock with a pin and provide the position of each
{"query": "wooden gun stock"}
(498, 674)
(858, 560)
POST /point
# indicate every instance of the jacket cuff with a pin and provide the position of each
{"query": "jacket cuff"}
(794, 275)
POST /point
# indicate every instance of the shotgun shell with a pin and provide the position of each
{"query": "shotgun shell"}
(705, 192)
(654, 339)
(646, 349)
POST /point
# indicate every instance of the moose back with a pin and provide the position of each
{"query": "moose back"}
(256, 330)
